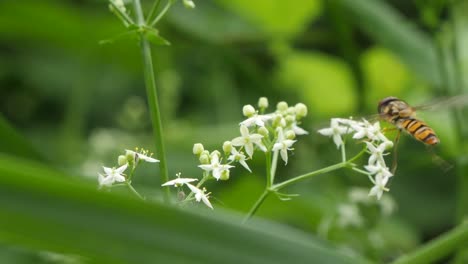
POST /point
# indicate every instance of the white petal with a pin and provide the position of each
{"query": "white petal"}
(284, 155)
(338, 141)
(216, 174)
(206, 201)
(192, 188)
(249, 149)
(107, 170)
(238, 141)
(119, 178)
(326, 131)
(121, 168)
(206, 167)
(244, 164)
(148, 159)
(244, 131)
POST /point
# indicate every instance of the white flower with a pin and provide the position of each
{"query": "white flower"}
(379, 186)
(335, 130)
(179, 181)
(377, 153)
(283, 145)
(299, 130)
(215, 167)
(247, 140)
(143, 155)
(239, 157)
(378, 169)
(112, 175)
(200, 195)
(256, 119)
(366, 129)
(348, 215)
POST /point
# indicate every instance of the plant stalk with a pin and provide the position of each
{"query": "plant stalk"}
(153, 102)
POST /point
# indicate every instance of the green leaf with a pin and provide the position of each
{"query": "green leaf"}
(13, 142)
(43, 209)
(383, 23)
(153, 36)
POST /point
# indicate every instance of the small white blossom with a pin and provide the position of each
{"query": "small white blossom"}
(378, 169)
(365, 129)
(348, 215)
(215, 167)
(189, 4)
(263, 102)
(247, 140)
(239, 157)
(299, 130)
(256, 119)
(142, 155)
(379, 186)
(179, 181)
(200, 195)
(335, 130)
(283, 145)
(377, 153)
(112, 175)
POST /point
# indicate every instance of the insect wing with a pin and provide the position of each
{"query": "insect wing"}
(457, 101)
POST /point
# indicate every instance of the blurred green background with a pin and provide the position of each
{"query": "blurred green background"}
(75, 105)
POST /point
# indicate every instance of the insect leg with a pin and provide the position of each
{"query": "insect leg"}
(395, 153)
(443, 164)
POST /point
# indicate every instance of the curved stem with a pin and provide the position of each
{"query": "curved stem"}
(153, 102)
(280, 186)
(257, 204)
(439, 247)
(130, 187)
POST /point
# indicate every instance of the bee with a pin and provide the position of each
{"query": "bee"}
(403, 116)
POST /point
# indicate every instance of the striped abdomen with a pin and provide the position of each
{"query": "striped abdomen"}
(418, 130)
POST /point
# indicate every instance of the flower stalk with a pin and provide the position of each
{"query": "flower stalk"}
(152, 95)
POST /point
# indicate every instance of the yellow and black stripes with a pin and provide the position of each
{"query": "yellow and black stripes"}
(419, 130)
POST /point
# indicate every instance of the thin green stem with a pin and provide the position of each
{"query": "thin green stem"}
(257, 204)
(122, 15)
(162, 13)
(343, 152)
(152, 12)
(439, 247)
(268, 169)
(274, 163)
(153, 102)
(130, 187)
(337, 166)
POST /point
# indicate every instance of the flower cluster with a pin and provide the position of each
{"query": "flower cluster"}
(376, 143)
(267, 132)
(130, 159)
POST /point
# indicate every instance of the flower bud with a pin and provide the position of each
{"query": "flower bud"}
(301, 110)
(248, 110)
(278, 121)
(224, 175)
(204, 157)
(263, 102)
(282, 106)
(290, 119)
(122, 160)
(263, 131)
(198, 148)
(215, 152)
(189, 4)
(131, 156)
(227, 147)
(290, 134)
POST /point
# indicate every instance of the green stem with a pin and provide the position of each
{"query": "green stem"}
(438, 248)
(268, 169)
(162, 13)
(257, 204)
(122, 15)
(152, 12)
(274, 163)
(130, 187)
(153, 100)
(280, 186)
